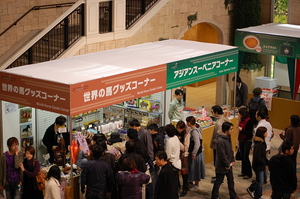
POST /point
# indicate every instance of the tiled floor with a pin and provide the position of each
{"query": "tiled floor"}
(205, 96)
(240, 184)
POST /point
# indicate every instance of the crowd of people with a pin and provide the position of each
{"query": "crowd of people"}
(157, 159)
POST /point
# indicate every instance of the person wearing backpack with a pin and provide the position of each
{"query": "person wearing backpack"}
(254, 103)
(30, 168)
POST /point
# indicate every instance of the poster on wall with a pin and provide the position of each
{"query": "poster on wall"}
(26, 130)
(27, 141)
(10, 107)
(267, 94)
(25, 115)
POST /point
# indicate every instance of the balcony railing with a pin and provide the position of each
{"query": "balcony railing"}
(53, 44)
(105, 17)
(135, 9)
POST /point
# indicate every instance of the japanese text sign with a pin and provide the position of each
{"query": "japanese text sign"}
(268, 44)
(200, 68)
(35, 93)
(111, 90)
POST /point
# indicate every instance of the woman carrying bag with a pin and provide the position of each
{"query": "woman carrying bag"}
(196, 160)
(30, 168)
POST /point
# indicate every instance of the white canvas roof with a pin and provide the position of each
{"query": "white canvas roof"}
(107, 63)
(286, 30)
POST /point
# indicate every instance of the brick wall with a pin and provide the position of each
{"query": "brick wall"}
(171, 22)
(11, 10)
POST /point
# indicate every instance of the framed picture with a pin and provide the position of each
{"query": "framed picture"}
(28, 141)
(132, 103)
(10, 107)
(145, 105)
(25, 115)
(26, 130)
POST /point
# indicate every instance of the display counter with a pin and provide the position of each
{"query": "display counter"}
(281, 111)
(206, 138)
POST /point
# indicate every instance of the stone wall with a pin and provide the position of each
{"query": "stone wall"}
(171, 23)
(12, 10)
(295, 14)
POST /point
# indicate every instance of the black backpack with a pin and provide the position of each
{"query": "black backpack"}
(254, 105)
(253, 108)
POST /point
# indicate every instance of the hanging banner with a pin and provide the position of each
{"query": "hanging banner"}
(267, 44)
(196, 69)
(115, 89)
(267, 94)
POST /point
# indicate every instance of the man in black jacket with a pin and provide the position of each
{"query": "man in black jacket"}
(54, 134)
(97, 176)
(241, 95)
(224, 162)
(158, 137)
(166, 186)
(283, 173)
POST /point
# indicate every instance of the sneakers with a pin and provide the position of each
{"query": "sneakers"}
(251, 193)
(194, 187)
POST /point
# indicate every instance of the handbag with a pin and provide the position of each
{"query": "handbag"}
(238, 155)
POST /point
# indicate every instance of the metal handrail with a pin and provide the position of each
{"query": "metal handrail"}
(37, 8)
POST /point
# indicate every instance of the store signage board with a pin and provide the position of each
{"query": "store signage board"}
(115, 89)
(37, 93)
(82, 97)
(87, 82)
(200, 68)
(271, 39)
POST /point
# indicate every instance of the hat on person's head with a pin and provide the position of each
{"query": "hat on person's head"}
(114, 137)
(257, 91)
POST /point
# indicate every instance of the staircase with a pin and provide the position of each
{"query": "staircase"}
(57, 38)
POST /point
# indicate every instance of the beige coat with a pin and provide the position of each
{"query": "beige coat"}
(217, 129)
(52, 190)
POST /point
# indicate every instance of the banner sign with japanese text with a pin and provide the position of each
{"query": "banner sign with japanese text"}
(115, 89)
(196, 69)
(267, 44)
(36, 93)
(82, 97)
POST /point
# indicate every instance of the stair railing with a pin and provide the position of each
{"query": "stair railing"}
(52, 41)
(41, 7)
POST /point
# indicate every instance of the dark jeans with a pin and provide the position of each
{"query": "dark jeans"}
(219, 181)
(256, 185)
(245, 150)
(279, 195)
(12, 190)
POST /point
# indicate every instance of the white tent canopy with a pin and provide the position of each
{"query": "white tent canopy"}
(83, 83)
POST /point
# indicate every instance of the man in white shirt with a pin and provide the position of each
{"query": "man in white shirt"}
(261, 116)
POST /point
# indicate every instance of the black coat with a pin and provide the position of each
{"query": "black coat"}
(166, 184)
(224, 154)
(241, 95)
(158, 142)
(282, 174)
(259, 161)
(247, 132)
(50, 140)
(30, 189)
